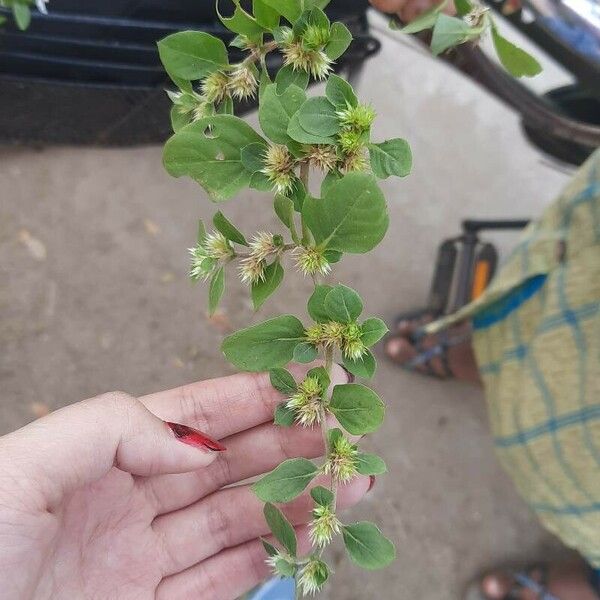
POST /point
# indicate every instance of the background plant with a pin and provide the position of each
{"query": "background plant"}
(301, 134)
(21, 11)
(472, 22)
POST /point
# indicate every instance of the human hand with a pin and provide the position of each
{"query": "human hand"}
(103, 499)
(408, 10)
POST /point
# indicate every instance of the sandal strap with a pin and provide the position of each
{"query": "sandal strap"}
(524, 581)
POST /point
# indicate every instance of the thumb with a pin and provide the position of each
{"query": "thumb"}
(79, 444)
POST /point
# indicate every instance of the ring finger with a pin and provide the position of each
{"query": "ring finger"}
(229, 518)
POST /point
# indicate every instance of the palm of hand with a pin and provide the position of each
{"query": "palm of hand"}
(103, 535)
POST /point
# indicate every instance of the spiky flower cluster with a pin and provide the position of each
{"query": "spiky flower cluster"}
(313, 576)
(281, 565)
(242, 82)
(215, 87)
(262, 245)
(311, 261)
(345, 336)
(355, 122)
(306, 53)
(476, 17)
(324, 526)
(341, 463)
(323, 157)
(206, 254)
(307, 402)
(279, 168)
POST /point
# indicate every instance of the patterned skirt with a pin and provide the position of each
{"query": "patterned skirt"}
(537, 341)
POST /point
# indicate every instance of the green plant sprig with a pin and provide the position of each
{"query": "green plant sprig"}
(473, 21)
(21, 11)
(330, 134)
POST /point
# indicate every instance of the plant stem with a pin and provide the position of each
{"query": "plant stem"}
(304, 176)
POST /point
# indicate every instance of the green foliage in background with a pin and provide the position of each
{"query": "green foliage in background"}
(471, 23)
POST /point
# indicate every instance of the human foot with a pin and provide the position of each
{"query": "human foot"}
(451, 360)
(562, 581)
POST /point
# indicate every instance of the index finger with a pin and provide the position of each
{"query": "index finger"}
(226, 405)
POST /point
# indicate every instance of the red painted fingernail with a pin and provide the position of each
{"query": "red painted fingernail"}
(351, 378)
(372, 480)
(193, 437)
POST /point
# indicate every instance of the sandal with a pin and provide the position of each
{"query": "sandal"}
(422, 361)
(523, 580)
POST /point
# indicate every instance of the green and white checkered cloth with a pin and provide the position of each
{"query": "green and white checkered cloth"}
(537, 342)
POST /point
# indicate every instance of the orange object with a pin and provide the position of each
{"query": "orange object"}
(481, 278)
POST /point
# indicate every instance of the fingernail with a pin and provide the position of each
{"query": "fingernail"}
(372, 480)
(351, 378)
(193, 437)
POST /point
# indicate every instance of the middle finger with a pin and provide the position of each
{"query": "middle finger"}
(249, 453)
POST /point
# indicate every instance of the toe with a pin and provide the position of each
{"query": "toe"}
(399, 349)
(496, 586)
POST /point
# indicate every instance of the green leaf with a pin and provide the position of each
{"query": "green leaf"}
(209, 151)
(463, 7)
(370, 464)
(263, 81)
(253, 157)
(514, 59)
(284, 209)
(305, 353)
(299, 134)
(343, 304)
(297, 195)
(340, 40)
(241, 22)
(392, 157)
(322, 496)
(281, 528)
(269, 548)
(266, 16)
(372, 331)
(365, 366)
(426, 20)
(358, 409)
(276, 110)
(321, 374)
(340, 93)
(22, 14)
(284, 416)
(178, 119)
(287, 481)
(316, 304)
(262, 289)
(283, 381)
(264, 346)
(290, 9)
(328, 181)
(287, 76)
(333, 256)
(352, 217)
(259, 181)
(317, 116)
(229, 230)
(215, 290)
(367, 546)
(192, 55)
(311, 16)
(201, 232)
(449, 32)
(226, 107)
(286, 568)
(333, 436)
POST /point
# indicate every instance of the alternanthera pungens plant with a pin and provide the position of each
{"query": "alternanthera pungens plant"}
(301, 134)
